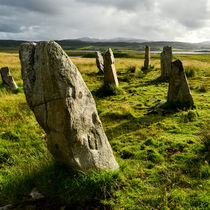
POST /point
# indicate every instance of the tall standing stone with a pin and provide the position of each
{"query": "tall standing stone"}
(64, 107)
(110, 75)
(179, 93)
(100, 62)
(147, 57)
(7, 79)
(165, 60)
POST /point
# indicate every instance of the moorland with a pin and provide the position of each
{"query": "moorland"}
(163, 154)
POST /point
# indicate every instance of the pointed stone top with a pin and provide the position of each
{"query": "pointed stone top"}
(109, 56)
(109, 51)
(178, 65)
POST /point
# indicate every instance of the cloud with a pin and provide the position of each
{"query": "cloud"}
(191, 14)
(128, 5)
(42, 6)
(10, 28)
(67, 19)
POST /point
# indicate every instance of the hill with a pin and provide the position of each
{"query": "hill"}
(118, 44)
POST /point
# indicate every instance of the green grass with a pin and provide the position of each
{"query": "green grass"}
(163, 158)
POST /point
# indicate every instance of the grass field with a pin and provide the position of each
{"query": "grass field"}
(164, 158)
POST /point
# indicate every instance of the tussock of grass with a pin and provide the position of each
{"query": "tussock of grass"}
(143, 68)
(202, 89)
(190, 116)
(190, 71)
(131, 69)
(108, 90)
(139, 74)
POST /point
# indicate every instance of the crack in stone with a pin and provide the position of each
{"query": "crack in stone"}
(46, 102)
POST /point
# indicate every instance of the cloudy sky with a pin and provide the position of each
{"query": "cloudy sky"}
(179, 20)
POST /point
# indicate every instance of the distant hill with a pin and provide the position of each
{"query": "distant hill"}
(129, 44)
(11, 43)
(118, 39)
(120, 44)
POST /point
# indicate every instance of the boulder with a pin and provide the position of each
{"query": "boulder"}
(179, 94)
(165, 61)
(64, 107)
(100, 62)
(110, 75)
(147, 57)
(7, 79)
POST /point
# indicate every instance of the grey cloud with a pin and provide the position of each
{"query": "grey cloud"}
(43, 6)
(191, 14)
(129, 5)
(10, 28)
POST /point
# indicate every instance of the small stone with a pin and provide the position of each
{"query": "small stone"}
(165, 60)
(147, 57)
(35, 194)
(100, 62)
(178, 92)
(110, 75)
(7, 207)
(7, 79)
(64, 107)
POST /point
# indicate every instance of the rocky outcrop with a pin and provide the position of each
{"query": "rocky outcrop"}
(110, 75)
(100, 62)
(7, 79)
(179, 94)
(165, 61)
(147, 57)
(64, 107)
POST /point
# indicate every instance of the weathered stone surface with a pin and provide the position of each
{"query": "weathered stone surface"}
(100, 62)
(64, 107)
(7, 79)
(110, 75)
(165, 61)
(179, 93)
(147, 57)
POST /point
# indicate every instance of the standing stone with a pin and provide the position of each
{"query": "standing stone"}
(110, 75)
(165, 60)
(100, 62)
(7, 79)
(179, 93)
(147, 57)
(64, 107)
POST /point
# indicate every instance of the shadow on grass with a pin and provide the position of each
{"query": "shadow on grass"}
(147, 70)
(2, 86)
(132, 124)
(119, 116)
(156, 81)
(125, 78)
(61, 186)
(95, 74)
(155, 114)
